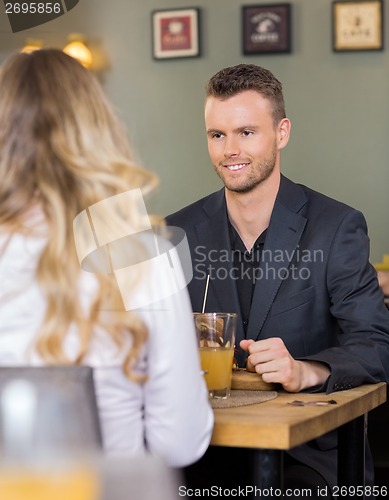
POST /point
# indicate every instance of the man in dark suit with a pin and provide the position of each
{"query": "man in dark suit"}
(293, 263)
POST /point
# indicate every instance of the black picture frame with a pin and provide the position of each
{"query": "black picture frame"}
(267, 29)
(357, 25)
(176, 33)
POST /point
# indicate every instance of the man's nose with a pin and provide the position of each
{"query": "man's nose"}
(231, 147)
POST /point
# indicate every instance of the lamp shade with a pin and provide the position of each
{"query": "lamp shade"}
(76, 48)
(31, 45)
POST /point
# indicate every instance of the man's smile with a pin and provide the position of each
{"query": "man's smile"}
(236, 166)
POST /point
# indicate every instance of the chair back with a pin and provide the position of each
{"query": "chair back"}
(66, 414)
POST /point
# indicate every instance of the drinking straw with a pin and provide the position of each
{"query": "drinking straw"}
(205, 294)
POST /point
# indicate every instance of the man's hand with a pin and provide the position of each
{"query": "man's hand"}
(272, 360)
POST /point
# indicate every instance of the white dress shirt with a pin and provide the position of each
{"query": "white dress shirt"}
(169, 415)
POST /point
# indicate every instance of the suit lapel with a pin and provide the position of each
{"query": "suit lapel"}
(282, 238)
(283, 235)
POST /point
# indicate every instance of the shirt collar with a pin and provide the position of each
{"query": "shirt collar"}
(237, 243)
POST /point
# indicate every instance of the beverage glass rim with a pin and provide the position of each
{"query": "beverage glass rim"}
(211, 314)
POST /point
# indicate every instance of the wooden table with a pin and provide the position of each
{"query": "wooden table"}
(276, 425)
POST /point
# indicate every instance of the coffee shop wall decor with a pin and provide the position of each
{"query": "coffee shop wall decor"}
(266, 28)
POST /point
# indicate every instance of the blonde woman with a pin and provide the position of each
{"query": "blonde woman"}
(62, 150)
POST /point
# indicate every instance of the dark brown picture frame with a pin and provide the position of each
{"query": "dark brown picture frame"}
(176, 33)
(267, 28)
(357, 25)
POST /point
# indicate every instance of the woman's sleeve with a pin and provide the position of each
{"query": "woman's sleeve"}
(178, 417)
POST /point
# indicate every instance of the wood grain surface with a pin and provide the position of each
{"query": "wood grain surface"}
(282, 424)
(249, 381)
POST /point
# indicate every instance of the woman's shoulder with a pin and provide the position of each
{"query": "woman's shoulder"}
(159, 275)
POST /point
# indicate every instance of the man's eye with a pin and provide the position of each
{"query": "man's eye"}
(247, 132)
(216, 135)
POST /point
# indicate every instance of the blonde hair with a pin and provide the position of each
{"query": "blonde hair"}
(63, 149)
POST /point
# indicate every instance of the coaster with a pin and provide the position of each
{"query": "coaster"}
(243, 398)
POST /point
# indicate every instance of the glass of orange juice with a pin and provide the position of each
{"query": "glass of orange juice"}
(38, 482)
(216, 334)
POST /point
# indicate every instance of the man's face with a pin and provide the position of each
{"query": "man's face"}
(243, 142)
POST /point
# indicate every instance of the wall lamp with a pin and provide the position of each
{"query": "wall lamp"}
(76, 47)
(31, 45)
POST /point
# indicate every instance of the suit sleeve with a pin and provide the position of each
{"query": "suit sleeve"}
(362, 353)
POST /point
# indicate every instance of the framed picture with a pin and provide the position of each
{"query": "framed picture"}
(357, 25)
(176, 33)
(266, 28)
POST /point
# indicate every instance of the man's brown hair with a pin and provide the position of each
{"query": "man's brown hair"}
(236, 79)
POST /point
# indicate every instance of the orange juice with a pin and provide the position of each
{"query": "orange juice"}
(216, 362)
(48, 485)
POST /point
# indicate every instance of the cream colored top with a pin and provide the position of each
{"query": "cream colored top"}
(169, 414)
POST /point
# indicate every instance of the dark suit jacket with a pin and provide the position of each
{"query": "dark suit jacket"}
(316, 290)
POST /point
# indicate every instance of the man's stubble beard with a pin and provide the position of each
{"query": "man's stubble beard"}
(258, 176)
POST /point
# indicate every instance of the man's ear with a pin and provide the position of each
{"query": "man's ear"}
(283, 132)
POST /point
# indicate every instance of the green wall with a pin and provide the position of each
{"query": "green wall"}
(338, 102)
